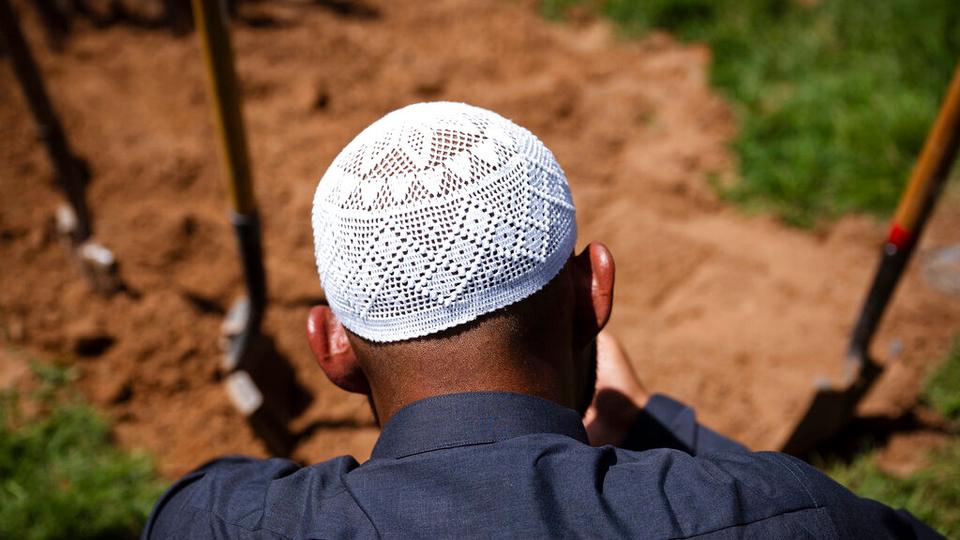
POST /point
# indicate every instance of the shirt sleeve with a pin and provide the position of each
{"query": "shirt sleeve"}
(163, 517)
(853, 516)
(667, 423)
(186, 509)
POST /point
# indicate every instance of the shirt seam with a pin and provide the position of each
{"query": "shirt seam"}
(356, 501)
(788, 466)
(451, 445)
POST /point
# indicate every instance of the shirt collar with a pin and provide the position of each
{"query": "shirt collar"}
(472, 418)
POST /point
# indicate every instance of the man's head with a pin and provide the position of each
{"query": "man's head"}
(444, 239)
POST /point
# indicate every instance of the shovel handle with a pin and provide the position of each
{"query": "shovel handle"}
(212, 27)
(915, 206)
(931, 170)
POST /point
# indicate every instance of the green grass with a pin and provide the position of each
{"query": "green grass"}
(833, 97)
(60, 475)
(933, 493)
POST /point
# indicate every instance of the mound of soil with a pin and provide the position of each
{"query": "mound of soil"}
(735, 314)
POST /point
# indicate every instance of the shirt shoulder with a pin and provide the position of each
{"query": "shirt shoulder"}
(241, 497)
(757, 494)
(736, 493)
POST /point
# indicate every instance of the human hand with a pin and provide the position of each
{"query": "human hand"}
(619, 394)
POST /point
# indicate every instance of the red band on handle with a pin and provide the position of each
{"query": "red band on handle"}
(898, 236)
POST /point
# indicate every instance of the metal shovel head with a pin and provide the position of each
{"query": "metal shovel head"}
(833, 406)
(234, 334)
(100, 266)
(96, 261)
(259, 380)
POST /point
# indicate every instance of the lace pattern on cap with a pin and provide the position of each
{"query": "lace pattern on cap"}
(436, 214)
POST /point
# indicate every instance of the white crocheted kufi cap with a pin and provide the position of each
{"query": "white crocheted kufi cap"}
(435, 215)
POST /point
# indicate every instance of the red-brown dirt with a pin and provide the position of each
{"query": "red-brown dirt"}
(735, 314)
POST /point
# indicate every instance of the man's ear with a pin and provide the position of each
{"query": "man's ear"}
(594, 272)
(330, 345)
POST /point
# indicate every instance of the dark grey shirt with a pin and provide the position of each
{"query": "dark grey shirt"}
(500, 465)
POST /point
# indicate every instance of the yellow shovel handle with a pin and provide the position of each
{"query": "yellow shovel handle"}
(212, 26)
(936, 151)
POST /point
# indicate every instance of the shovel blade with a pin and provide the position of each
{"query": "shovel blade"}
(832, 407)
(260, 381)
(826, 415)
